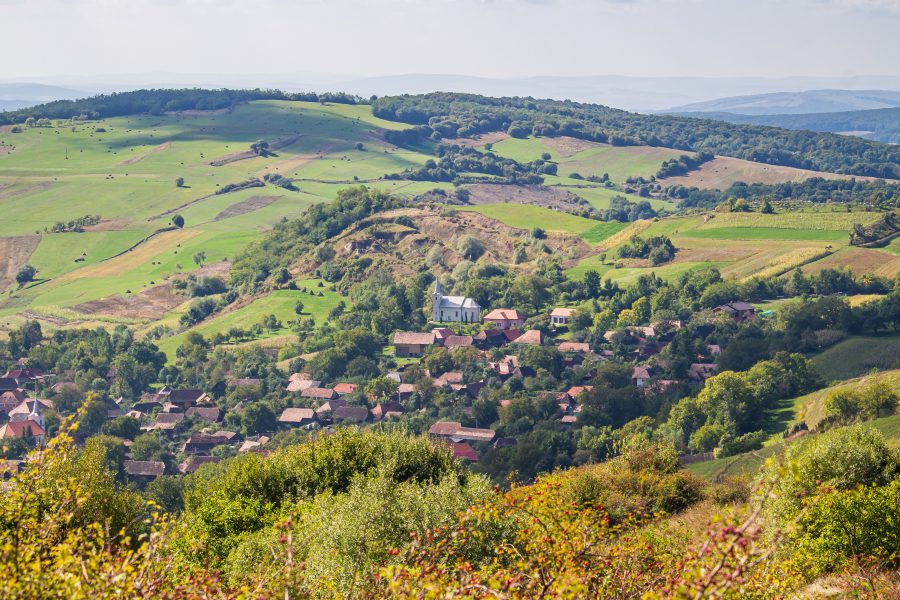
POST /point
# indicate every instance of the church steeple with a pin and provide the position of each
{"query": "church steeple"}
(35, 414)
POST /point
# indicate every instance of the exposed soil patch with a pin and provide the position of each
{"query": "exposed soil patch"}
(246, 206)
(141, 157)
(537, 195)
(12, 191)
(15, 252)
(567, 146)
(151, 303)
(404, 248)
(723, 171)
(491, 137)
(236, 156)
(4, 149)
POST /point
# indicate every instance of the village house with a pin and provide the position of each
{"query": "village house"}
(453, 309)
(202, 443)
(463, 451)
(165, 422)
(387, 410)
(350, 414)
(490, 338)
(641, 376)
(26, 421)
(738, 311)
(505, 318)
(342, 389)
(405, 391)
(324, 412)
(532, 337)
(192, 463)
(576, 347)
(319, 393)
(455, 432)
(144, 470)
(561, 316)
(298, 417)
(188, 398)
(412, 343)
(254, 444)
(701, 371)
(459, 341)
(206, 413)
(441, 334)
(299, 382)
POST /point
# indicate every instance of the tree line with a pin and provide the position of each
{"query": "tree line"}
(449, 115)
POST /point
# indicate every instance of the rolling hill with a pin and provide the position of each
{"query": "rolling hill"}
(782, 103)
(124, 267)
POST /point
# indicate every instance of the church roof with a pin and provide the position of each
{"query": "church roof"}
(458, 302)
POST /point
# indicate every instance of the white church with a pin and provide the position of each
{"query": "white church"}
(453, 309)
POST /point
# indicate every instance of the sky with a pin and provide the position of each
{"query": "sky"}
(491, 38)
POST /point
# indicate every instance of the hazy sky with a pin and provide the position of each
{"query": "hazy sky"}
(496, 38)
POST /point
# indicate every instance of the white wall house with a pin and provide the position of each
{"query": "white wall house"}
(453, 309)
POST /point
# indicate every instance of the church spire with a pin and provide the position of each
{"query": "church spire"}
(437, 285)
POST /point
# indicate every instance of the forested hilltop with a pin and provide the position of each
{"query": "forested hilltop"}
(158, 101)
(449, 115)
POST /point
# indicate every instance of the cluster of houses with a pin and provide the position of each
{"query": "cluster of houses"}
(168, 411)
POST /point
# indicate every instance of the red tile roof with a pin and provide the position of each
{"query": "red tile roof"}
(504, 314)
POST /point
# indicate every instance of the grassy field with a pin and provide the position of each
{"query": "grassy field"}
(587, 158)
(749, 464)
(527, 217)
(858, 355)
(279, 303)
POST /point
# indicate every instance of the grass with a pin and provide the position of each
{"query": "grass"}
(527, 217)
(126, 174)
(858, 355)
(766, 233)
(810, 408)
(749, 464)
(279, 303)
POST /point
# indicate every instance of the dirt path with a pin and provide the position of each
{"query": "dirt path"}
(14, 253)
(141, 157)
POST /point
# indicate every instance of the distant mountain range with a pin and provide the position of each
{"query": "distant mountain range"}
(643, 94)
(795, 103)
(882, 124)
(20, 95)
